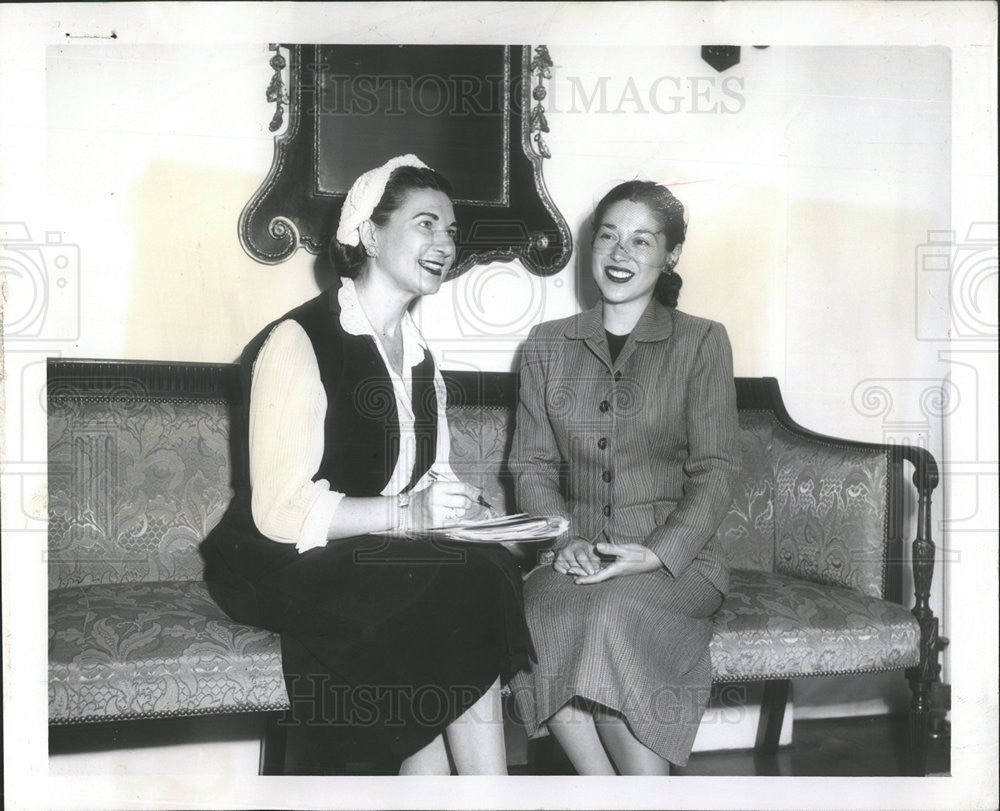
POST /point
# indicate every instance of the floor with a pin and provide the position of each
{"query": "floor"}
(837, 747)
(846, 747)
(842, 747)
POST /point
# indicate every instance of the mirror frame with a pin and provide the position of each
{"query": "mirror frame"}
(290, 210)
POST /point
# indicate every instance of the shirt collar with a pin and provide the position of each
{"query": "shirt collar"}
(354, 320)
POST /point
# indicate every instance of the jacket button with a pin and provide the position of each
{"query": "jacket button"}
(605, 405)
(607, 510)
(618, 375)
(602, 443)
(606, 475)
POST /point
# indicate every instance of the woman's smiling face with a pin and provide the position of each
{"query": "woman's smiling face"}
(629, 252)
(416, 247)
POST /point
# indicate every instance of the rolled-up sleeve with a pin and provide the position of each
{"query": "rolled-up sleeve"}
(712, 464)
(287, 414)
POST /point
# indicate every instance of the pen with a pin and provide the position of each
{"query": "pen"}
(482, 502)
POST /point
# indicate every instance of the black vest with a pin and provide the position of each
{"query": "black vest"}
(361, 430)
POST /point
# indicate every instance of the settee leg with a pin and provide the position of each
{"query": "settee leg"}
(772, 715)
(929, 704)
(917, 755)
(272, 745)
(924, 676)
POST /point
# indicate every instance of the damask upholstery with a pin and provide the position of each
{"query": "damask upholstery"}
(134, 486)
(747, 531)
(137, 481)
(773, 626)
(141, 650)
(479, 442)
(830, 512)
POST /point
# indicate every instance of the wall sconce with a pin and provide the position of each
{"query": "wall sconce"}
(723, 57)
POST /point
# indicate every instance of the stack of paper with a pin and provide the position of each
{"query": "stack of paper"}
(508, 529)
(518, 528)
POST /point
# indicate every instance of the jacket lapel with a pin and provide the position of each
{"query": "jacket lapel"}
(588, 327)
(655, 324)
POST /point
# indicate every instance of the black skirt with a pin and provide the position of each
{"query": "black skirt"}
(389, 641)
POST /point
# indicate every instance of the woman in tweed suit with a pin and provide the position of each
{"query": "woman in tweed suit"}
(626, 426)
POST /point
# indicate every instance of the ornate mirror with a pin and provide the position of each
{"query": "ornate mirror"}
(472, 112)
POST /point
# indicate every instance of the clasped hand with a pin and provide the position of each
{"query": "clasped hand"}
(579, 559)
(445, 503)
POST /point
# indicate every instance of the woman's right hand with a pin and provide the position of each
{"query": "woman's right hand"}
(577, 558)
(442, 504)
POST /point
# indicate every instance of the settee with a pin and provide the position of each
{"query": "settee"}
(140, 464)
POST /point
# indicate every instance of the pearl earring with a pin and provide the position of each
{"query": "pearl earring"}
(370, 250)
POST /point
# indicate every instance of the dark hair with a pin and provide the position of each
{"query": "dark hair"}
(669, 213)
(350, 259)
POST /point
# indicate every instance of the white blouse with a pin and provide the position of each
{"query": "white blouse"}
(287, 412)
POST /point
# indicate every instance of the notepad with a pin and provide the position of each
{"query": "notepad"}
(519, 528)
(508, 528)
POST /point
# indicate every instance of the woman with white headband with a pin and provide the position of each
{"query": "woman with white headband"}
(400, 644)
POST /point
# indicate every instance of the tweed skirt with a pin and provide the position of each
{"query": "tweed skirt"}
(636, 644)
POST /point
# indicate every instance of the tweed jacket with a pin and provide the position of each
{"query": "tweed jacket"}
(639, 450)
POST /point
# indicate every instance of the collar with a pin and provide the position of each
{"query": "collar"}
(655, 324)
(354, 321)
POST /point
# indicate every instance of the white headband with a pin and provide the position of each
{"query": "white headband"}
(365, 195)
